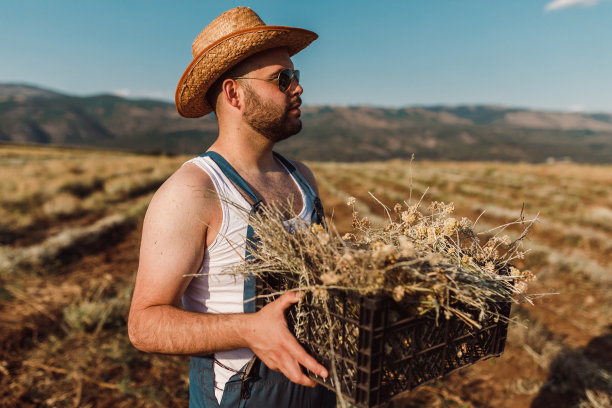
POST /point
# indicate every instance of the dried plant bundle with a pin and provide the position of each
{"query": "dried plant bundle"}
(432, 264)
(426, 260)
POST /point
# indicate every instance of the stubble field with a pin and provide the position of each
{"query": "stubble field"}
(69, 236)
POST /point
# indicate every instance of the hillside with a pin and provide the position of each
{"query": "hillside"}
(33, 115)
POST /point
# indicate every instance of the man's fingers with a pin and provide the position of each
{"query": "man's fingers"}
(297, 351)
(290, 356)
(308, 362)
(294, 358)
(287, 299)
(294, 373)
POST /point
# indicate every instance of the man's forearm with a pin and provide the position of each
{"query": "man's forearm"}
(169, 330)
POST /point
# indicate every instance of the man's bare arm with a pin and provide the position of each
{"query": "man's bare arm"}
(174, 238)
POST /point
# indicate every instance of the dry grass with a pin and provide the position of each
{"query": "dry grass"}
(568, 249)
(427, 261)
(53, 353)
(66, 279)
(55, 250)
(45, 185)
(421, 256)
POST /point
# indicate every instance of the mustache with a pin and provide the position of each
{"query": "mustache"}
(297, 102)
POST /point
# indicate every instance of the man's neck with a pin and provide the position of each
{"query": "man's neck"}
(245, 149)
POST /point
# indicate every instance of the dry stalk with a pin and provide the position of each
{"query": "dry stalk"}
(427, 261)
(78, 376)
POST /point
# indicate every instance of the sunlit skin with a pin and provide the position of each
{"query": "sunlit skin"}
(276, 122)
(182, 219)
(235, 100)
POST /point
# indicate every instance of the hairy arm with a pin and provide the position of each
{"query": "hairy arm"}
(173, 241)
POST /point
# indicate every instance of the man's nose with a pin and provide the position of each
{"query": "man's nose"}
(296, 87)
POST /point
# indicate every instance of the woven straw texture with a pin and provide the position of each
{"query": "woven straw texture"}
(232, 37)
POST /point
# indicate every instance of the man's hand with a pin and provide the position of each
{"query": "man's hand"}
(270, 339)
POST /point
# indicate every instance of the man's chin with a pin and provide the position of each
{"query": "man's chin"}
(294, 130)
(298, 127)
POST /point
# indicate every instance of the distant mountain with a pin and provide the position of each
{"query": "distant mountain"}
(33, 115)
(29, 114)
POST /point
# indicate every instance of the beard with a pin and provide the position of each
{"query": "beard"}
(270, 120)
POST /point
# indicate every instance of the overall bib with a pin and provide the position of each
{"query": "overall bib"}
(255, 385)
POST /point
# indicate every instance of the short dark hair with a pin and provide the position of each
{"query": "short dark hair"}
(240, 69)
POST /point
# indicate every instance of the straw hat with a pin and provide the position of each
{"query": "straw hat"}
(230, 38)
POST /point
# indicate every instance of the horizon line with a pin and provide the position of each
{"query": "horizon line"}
(494, 105)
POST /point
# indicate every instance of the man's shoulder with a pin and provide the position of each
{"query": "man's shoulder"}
(189, 186)
(186, 179)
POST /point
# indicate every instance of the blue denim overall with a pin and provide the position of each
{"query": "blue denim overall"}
(255, 385)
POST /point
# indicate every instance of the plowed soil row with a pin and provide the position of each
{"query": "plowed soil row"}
(63, 330)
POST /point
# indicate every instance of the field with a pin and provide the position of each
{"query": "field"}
(69, 236)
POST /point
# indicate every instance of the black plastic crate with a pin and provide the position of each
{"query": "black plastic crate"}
(380, 347)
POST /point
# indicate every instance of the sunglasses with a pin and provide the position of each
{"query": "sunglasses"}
(284, 78)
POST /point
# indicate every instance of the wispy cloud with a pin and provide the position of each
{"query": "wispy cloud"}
(124, 93)
(577, 108)
(166, 96)
(561, 4)
(133, 94)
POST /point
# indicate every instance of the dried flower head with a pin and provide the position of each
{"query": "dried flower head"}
(365, 222)
(398, 293)
(465, 224)
(434, 258)
(514, 271)
(383, 253)
(449, 227)
(406, 247)
(317, 228)
(319, 292)
(521, 286)
(330, 278)
(412, 253)
(421, 232)
(431, 235)
(324, 238)
(408, 217)
(349, 237)
(346, 262)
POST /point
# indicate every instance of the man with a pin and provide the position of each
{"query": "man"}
(242, 70)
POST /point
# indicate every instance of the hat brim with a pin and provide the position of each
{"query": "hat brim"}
(220, 56)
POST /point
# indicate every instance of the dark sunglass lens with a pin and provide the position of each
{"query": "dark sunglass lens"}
(284, 79)
(296, 74)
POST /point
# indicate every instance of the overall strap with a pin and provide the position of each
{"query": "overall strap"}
(251, 240)
(318, 215)
(233, 176)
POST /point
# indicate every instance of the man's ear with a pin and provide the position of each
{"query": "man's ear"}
(230, 91)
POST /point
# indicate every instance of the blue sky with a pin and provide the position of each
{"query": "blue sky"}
(546, 54)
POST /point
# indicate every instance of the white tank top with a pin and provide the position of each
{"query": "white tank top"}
(216, 291)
